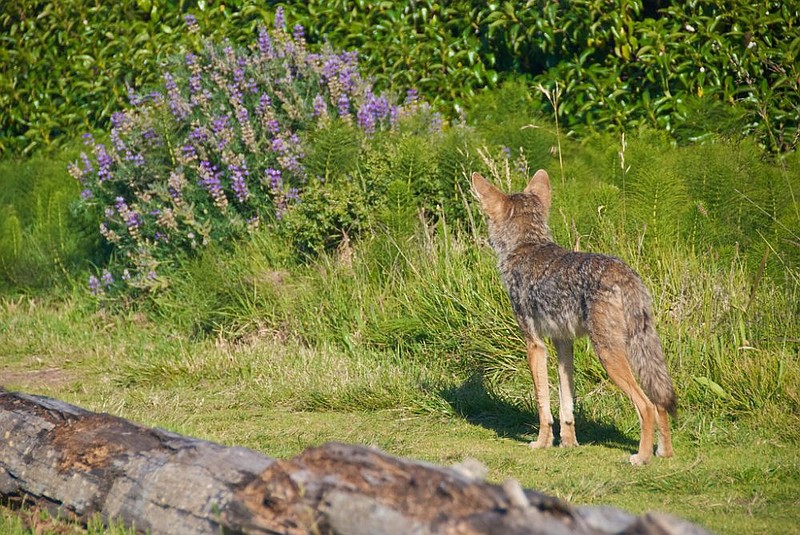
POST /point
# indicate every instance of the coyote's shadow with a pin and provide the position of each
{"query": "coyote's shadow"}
(474, 403)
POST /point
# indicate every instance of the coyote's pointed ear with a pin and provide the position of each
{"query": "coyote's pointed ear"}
(539, 185)
(493, 201)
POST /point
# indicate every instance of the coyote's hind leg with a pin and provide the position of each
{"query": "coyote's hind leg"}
(566, 391)
(537, 363)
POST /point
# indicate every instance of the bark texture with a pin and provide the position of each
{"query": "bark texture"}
(82, 464)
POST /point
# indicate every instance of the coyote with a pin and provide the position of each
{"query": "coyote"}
(562, 295)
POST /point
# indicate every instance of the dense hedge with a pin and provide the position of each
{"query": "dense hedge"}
(696, 67)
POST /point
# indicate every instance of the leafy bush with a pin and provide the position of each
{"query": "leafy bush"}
(627, 64)
(219, 150)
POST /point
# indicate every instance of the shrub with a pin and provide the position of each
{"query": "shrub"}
(219, 149)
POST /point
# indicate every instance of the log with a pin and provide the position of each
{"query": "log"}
(82, 464)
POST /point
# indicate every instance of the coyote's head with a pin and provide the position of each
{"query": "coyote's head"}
(517, 218)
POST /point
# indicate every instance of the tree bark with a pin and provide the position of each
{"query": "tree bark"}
(84, 464)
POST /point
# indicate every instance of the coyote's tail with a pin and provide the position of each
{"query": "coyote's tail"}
(644, 350)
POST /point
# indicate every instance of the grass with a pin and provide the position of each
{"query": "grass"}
(429, 366)
(405, 339)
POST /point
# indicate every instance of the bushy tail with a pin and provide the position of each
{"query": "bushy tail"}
(644, 350)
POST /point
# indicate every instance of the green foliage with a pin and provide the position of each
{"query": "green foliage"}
(431, 46)
(726, 67)
(219, 150)
(628, 65)
(41, 240)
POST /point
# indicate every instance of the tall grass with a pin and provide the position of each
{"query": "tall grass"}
(433, 298)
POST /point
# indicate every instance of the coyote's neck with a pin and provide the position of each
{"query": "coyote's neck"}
(509, 239)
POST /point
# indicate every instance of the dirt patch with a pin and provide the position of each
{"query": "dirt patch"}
(35, 379)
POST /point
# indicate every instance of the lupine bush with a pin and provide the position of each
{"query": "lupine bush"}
(218, 149)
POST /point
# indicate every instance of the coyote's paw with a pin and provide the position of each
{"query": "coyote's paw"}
(639, 460)
(664, 452)
(568, 439)
(545, 440)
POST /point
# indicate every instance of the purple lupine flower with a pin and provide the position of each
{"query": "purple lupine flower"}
(87, 165)
(137, 159)
(191, 59)
(199, 134)
(116, 140)
(291, 163)
(298, 32)
(366, 120)
(210, 180)
(238, 183)
(320, 106)
(94, 285)
(238, 75)
(87, 194)
(330, 68)
(412, 96)
(506, 152)
(176, 104)
(88, 139)
(104, 162)
(436, 122)
(274, 178)
(348, 78)
(265, 44)
(241, 114)
(118, 118)
(107, 279)
(132, 219)
(293, 195)
(280, 19)
(343, 105)
(219, 124)
(264, 102)
(191, 23)
(278, 145)
(169, 82)
(189, 152)
(195, 84)
(133, 98)
(273, 127)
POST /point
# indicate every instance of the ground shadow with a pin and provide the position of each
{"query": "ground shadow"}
(472, 401)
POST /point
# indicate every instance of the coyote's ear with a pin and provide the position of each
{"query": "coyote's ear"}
(539, 185)
(493, 201)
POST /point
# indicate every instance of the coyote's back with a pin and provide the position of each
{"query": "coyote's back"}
(562, 295)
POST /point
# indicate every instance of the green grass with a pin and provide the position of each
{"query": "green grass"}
(405, 339)
(275, 357)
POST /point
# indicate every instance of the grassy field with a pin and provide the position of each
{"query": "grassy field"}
(404, 337)
(734, 472)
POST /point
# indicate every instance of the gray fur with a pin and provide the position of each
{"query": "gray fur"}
(555, 292)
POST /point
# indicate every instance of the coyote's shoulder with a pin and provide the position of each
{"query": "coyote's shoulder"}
(564, 294)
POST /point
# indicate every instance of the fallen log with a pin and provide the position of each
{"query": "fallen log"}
(83, 464)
